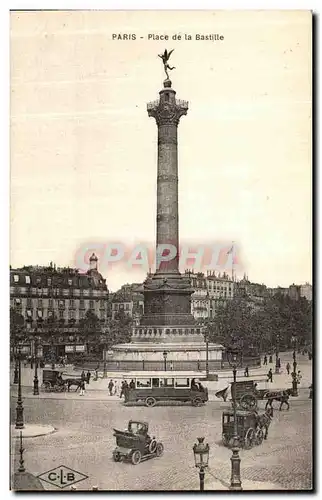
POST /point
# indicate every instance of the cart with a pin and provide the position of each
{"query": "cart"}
(52, 381)
(249, 433)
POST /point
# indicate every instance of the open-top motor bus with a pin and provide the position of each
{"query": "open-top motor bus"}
(168, 386)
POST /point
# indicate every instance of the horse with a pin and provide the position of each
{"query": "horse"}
(280, 396)
(264, 420)
(73, 381)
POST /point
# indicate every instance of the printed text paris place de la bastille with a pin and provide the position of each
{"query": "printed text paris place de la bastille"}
(155, 37)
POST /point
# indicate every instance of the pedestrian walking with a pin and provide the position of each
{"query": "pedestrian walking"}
(110, 387)
(83, 376)
(82, 388)
(265, 360)
(88, 377)
(270, 375)
(115, 387)
(299, 377)
(246, 372)
(198, 366)
(270, 359)
(288, 367)
(132, 384)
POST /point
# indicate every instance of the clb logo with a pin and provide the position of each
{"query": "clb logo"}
(62, 476)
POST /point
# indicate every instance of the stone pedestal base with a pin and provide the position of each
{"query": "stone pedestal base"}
(150, 356)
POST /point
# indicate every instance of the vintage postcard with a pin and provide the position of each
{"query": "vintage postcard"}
(161, 251)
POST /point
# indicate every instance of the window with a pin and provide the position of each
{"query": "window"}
(61, 314)
(38, 280)
(70, 282)
(39, 313)
(48, 281)
(127, 306)
(28, 280)
(82, 304)
(143, 383)
(40, 303)
(166, 97)
(71, 303)
(61, 304)
(16, 278)
(167, 382)
(71, 314)
(81, 315)
(155, 382)
(29, 313)
(91, 304)
(182, 382)
(121, 306)
(50, 303)
(116, 306)
(29, 302)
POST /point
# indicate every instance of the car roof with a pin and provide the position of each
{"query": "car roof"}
(138, 422)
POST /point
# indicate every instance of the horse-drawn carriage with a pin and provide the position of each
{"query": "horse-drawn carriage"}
(250, 427)
(53, 381)
(247, 395)
(135, 444)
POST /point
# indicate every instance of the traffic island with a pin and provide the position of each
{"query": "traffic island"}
(32, 430)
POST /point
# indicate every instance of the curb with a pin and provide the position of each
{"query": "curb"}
(32, 431)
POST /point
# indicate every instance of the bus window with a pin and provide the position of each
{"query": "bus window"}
(155, 382)
(182, 382)
(168, 382)
(143, 383)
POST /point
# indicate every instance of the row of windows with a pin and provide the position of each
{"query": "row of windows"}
(121, 306)
(27, 281)
(58, 291)
(61, 303)
(61, 314)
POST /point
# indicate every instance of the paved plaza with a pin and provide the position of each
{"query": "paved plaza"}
(84, 441)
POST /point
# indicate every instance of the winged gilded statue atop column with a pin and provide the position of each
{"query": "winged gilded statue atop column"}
(165, 58)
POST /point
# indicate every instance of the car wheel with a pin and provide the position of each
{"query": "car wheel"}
(153, 446)
(116, 456)
(136, 457)
(196, 401)
(150, 402)
(159, 450)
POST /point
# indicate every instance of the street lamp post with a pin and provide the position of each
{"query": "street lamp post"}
(104, 367)
(36, 382)
(294, 376)
(16, 376)
(201, 455)
(19, 408)
(165, 354)
(234, 360)
(277, 367)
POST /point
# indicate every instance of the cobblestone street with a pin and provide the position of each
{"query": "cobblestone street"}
(84, 441)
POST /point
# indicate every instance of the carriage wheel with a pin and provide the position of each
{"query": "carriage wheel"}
(197, 401)
(249, 438)
(153, 446)
(136, 457)
(259, 436)
(248, 402)
(159, 450)
(150, 401)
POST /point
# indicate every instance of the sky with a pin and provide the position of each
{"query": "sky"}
(84, 151)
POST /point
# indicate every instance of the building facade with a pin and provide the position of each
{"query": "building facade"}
(47, 296)
(130, 301)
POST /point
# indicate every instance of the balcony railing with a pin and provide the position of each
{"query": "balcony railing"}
(179, 102)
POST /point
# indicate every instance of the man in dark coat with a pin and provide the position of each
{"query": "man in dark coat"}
(270, 375)
(265, 360)
(110, 386)
(132, 384)
(88, 377)
(83, 376)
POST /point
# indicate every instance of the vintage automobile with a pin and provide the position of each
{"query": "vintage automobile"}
(135, 444)
(248, 431)
(170, 386)
(52, 381)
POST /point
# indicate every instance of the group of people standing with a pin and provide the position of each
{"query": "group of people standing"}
(125, 386)
(85, 378)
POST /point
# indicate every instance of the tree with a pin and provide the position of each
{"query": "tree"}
(90, 329)
(17, 328)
